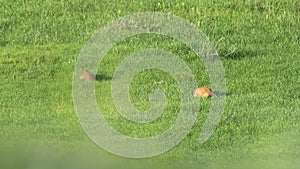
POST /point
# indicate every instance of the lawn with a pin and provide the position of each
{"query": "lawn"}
(258, 43)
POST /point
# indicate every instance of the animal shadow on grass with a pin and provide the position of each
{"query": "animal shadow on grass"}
(102, 77)
(217, 93)
(239, 53)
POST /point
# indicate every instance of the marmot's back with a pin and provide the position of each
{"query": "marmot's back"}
(87, 75)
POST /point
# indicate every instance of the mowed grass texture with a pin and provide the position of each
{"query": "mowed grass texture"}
(258, 42)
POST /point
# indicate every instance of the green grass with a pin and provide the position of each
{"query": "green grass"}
(258, 42)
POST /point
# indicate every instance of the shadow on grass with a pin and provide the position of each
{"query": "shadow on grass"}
(217, 93)
(102, 77)
(240, 53)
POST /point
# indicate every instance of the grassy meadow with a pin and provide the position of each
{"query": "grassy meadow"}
(259, 45)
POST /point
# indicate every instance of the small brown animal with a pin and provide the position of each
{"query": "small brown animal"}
(203, 92)
(87, 76)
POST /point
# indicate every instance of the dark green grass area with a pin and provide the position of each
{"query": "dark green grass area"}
(259, 45)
